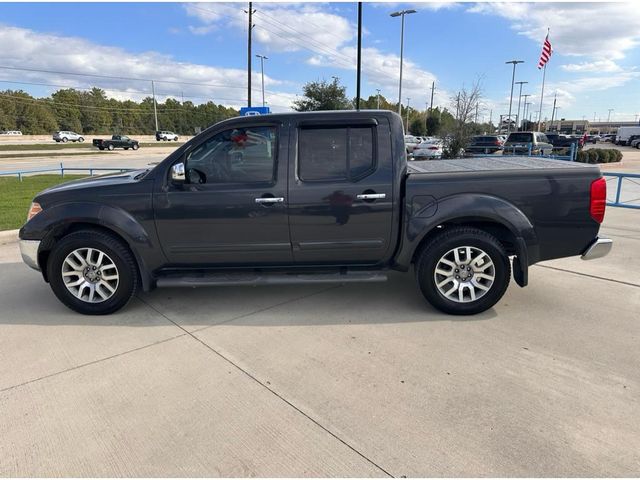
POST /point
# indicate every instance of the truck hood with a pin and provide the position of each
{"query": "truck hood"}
(96, 181)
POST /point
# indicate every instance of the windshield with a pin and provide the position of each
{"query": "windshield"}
(521, 137)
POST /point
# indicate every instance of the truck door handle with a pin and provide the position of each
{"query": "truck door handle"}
(371, 196)
(269, 200)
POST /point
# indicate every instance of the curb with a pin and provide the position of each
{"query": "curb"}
(8, 236)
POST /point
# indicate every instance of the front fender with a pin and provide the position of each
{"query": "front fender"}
(421, 220)
(59, 217)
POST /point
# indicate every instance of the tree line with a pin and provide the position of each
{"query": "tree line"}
(91, 112)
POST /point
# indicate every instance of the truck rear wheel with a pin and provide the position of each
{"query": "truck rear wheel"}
(463, 271)
(92, 272)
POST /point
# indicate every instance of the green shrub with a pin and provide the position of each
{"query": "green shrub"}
(618, 156)
(603, 155)
(582, 156)
(593, 155)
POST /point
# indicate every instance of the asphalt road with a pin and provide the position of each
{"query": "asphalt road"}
(351, 380)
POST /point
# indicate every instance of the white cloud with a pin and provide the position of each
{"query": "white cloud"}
(23, 48)
(605, 30)
(603, 66)
(201, 30)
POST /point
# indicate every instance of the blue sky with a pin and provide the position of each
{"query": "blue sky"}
(594, 66)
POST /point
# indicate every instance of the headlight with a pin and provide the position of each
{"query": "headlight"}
(33, 210)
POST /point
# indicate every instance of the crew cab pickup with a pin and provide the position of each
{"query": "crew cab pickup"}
(308, 198)
(117, 141)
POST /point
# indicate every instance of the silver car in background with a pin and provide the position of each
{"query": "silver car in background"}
(65, 136)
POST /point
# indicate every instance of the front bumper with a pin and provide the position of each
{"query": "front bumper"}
(29, 252)
(600, 247)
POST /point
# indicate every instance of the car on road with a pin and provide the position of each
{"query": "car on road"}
(519, 143)
(65, 136)
(314, 197)
(484, 144)
(428, 150)
(635, 143)
(165, 135)
(11, 132)
(116, 141)
(411, 143)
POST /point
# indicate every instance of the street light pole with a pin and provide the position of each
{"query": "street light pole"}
(519, 99)
(262, 59)
(513, 78)
(609, 116)
(401, 13)
(378, 90)
(155, 111)
(524, 108)
(407, 122)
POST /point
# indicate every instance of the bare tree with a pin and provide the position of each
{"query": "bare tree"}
(465, 104)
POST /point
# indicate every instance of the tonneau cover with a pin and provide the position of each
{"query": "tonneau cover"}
(489, 163)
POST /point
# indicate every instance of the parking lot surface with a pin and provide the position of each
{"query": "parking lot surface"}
(331, 380)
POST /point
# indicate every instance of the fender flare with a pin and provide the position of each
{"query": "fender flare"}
(423, 218)
(60, 217)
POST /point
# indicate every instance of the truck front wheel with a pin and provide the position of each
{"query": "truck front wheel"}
(463, 271)
(110, 147)
(92, 272)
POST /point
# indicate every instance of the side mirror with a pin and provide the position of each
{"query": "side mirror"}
(177, 173)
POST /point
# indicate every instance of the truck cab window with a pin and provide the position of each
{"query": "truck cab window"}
(238, 155)
(335, 153)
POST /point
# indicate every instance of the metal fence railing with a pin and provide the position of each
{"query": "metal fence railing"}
(627, 189)
(571, 157)
(62, 170)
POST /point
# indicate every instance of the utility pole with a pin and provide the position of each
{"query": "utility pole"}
(519, 98)
(262, 59)
(476, 121)
(524, 109)
(359, 66)
(513, 78)
(433, 87)
(407, 122)
(155, 110)
(553, 113)
(249, 30)
(401, 13)
(491, 116)
(378, 90)
(609, 116)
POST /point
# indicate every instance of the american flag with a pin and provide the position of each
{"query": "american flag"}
(546, 52)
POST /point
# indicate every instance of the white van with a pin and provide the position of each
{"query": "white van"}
(625, 133)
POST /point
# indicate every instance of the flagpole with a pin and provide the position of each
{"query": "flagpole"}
(544, 74)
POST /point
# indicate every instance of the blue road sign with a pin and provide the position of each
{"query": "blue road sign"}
(248, 111)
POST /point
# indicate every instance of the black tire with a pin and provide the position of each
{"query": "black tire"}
(135, 146)
(110, 147)
(448, 240)
(65, 139)
(126, 148)
(119, 254)
(81, 139)
(175, 139)
(57, 141)
(101, 148)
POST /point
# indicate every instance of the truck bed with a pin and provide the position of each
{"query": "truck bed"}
(492, 163)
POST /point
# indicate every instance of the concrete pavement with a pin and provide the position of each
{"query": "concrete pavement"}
(351, 380)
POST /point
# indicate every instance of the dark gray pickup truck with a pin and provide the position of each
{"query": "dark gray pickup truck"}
(311, 198)
(116, 141)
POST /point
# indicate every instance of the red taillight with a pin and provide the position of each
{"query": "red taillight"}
(497, 142)
(598, 199)
(433, 148)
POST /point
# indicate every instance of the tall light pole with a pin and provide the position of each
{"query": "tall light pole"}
(401, 13)
(407, 122)
(262, 59)
(513, 79)
(524, 108)
(609, 116)
(155, 111)
(251, 11)
(378, 90)
(519, 99)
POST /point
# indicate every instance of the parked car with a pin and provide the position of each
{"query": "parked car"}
(593, 138)
(609, 137)
(166, 136)
(428, 150)
(411, 143)
(624, 134)
(562, 143)
(635, 143)
(236, 206)
(484, 144)
(518, 144)
(117, 141)
(11, 132)
(66, 136)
